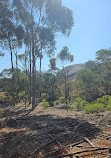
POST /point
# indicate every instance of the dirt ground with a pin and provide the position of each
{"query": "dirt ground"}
(53, 133)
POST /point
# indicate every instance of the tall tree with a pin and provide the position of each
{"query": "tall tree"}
(104, 58)
(9, 36)
(65, 56)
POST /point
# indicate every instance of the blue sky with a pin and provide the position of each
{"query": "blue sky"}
(91, 31)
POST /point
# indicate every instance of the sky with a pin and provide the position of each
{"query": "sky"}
(91, 32)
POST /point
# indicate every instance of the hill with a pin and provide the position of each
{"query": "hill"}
(74, 69)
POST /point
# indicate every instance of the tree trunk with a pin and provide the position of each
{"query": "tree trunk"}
(40, 81)
(68, 86)
(33, 75)
(13, 83)
(27, 75)
(30, 78)
(36, 84)
(17, 78)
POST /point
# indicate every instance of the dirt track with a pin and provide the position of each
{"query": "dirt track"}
(39, 133)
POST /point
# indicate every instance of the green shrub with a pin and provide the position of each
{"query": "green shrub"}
(45, 103)
(21, 94)
(51, 103)
(80, 103)
(73, 107)
(105, 100)
(73, 96)
(5, 97)
(108, 107)
(2, 96)
(62, 99)
(93, 108)
(56, 102)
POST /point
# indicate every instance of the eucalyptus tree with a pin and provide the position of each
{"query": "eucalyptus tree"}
(11, 34)
(65, 56)
(54, 71)
(104, 58)
(88, 84)
(48, 16)
(53, 64)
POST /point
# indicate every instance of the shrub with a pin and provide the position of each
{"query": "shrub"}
(21, 94)
(51, 103)
(5, 97)
(73, 107)
(56, 102)
(93, 108)
(73, 96)
(105, 100)
(108, 107)
(62, 99)
(80, 103)
(45, 103)
(2, 96)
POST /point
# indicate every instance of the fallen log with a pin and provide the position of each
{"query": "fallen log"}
(88, 141)
(63, 147)
(57, 142)
(79, 152)
(36, 151)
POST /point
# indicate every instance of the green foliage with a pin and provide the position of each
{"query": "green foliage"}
(88, 84)
(62, 99)
(108, 107)
(4, 96)
(104, 55)
(105, 100)
(93, 108)
(52, 63)
(74, 96)
(45, 104)
(80, 103)
(67, 101)
(21, 94)
(56, 102)
(73, 106)
(51, 103)
(65, 55)
(43, 96)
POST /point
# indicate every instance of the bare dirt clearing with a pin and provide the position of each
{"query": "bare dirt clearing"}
(53, 133)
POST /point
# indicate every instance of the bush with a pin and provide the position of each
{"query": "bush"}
(51, 103)
(62, 99)
(56, 102)
(45, 103)
(93, 108)
(108, 107)
(73, 107)
(105, 100)
(5, 97)
(80, 103)
(21, 94)
(74, 96)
